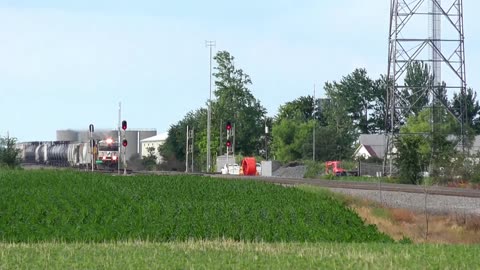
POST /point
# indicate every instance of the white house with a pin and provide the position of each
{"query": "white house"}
(154, 142)
(371, 146)
(366, 152)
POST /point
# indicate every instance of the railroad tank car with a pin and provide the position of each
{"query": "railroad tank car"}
(57, 154)
(29, 152)
(73, 154)
(41, 153)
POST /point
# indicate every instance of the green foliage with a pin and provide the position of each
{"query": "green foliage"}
(237, 104)
(52, 206)
(421, 147)
(289, 138)
(470, 102)
(354, 96)
(234, 255)
(314, 169)
(174, 147)
(379, 108)
(406, 241)
(418, 82)
(9, 154)
(303, 109)
(409, 161)
(150, 161)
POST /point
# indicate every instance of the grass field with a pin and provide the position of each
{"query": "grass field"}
(66, 206)
(235, 255)
(71, 220)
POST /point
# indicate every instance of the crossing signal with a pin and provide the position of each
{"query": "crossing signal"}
(124, 124)
(124, 143)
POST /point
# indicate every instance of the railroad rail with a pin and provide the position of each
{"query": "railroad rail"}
(430, 190)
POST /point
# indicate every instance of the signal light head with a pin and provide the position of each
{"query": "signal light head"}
(124, 143)
(229, 144)
(229, 125)
(124, 124)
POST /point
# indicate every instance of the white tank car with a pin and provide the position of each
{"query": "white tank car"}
(84, 155)
(41, 153)
(57, 154)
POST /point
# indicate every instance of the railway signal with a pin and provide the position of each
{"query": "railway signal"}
(228, 127)
(124, 124)
(91, 129)
(125, 143)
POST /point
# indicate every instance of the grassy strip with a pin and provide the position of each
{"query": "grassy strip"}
(46, 206)
(235, 255)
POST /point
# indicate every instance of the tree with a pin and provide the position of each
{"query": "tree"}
(356, 94)
(293, 130)
(379, 109)
(423, 148)
(150, 160)
(469, 101)
(415, 95)
(288, 139)
(236, 103)
(409, 161)
(301, 109)
(173, 150)
(9, 154)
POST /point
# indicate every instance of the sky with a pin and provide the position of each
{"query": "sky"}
(67, 64)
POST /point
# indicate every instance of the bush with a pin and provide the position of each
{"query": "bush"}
(314, 169)
(9, 154)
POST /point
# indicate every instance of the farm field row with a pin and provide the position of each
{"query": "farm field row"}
(67, 206)
(236, 255)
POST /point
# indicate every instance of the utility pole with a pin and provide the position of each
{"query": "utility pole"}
(314, 123)
(209, 44)
(118, 131)
(187, 146)
(266, 139)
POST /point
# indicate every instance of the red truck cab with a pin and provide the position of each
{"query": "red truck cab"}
(335, 168)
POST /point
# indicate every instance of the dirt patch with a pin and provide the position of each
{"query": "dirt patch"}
(437, 229)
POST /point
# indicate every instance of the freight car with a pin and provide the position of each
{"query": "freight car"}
(70, 154)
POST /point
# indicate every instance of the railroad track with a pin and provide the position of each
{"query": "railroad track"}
(432, 190)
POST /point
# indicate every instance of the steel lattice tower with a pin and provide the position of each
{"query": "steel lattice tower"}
(428, 31)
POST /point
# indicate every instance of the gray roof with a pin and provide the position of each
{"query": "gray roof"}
(372, 139)
(377, 143)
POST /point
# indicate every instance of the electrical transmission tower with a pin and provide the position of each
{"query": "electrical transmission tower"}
(429, 32)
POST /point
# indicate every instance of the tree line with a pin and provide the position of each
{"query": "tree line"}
(354, 105)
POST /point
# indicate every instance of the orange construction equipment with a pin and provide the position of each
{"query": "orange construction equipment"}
(335, 168)
(249, 166)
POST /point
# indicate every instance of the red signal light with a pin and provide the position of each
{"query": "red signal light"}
(124, 124)
(229, 125)
(229, 144)
(124, 143)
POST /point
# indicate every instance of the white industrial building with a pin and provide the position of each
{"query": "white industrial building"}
(155, 142)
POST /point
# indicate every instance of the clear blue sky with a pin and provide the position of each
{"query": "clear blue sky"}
(66, 64)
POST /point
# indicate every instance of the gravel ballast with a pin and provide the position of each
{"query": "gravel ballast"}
(436, 204)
